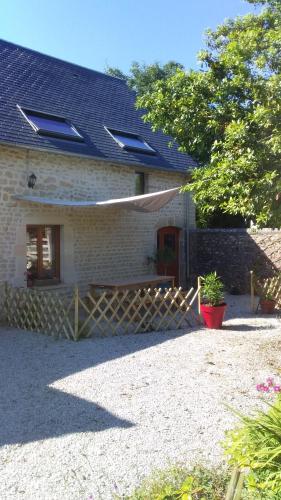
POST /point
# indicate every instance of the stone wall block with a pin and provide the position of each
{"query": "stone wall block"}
(233, 253)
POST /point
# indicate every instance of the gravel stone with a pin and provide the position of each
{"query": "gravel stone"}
(97, 416)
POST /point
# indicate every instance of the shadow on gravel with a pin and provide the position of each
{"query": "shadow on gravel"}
(30, 362)
(242, 327)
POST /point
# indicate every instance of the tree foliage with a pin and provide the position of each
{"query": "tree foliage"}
(228, 116)
(116, 72)
(142, 77)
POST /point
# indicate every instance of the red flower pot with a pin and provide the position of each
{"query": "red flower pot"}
(213, 315)
(267, 306)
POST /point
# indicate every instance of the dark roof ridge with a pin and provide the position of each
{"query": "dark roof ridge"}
(68, 63)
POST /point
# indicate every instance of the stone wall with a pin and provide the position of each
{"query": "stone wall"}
(97, 243)
(233, 253)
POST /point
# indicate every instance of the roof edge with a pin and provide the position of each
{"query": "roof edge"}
(85, 68)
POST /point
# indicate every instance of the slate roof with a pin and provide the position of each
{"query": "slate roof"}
(87, 98)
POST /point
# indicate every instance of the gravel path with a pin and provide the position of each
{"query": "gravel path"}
(93, 418)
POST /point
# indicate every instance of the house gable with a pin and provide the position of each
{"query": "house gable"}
(89, 100)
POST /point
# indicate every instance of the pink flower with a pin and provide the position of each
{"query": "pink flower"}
(269, 387)
(264, 388)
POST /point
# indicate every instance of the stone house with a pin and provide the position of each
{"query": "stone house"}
(71, 137)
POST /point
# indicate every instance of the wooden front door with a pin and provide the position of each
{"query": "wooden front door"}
(168, 252)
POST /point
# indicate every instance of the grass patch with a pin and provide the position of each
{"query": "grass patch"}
(179, 482)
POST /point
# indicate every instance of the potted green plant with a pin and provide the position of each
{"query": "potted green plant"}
(212, 303)
(267, 303)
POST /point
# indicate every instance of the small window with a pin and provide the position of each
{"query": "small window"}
(140, 183)
(43, 255)
(130, 142)
(54, 126)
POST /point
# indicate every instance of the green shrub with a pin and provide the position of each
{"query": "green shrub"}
(256, 445)
(180, 483)
(212, 289)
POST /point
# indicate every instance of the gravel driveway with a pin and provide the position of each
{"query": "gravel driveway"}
(94, 417)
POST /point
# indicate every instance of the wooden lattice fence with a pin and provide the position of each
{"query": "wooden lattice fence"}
(115, 313)
(44, 312)
(269, 287)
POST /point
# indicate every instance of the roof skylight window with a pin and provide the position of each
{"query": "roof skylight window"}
(130, 142)
(51, 125)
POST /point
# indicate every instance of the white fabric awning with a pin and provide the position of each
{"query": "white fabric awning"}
(150, 202)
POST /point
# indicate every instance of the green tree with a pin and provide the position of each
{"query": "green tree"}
(142, 77)
(228, 116)
(116, 72)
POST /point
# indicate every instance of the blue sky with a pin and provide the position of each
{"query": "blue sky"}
(96, 33)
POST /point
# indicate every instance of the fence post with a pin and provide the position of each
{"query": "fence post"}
(76, 312)
(234, 490)
(199, 293)
(252, 292)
